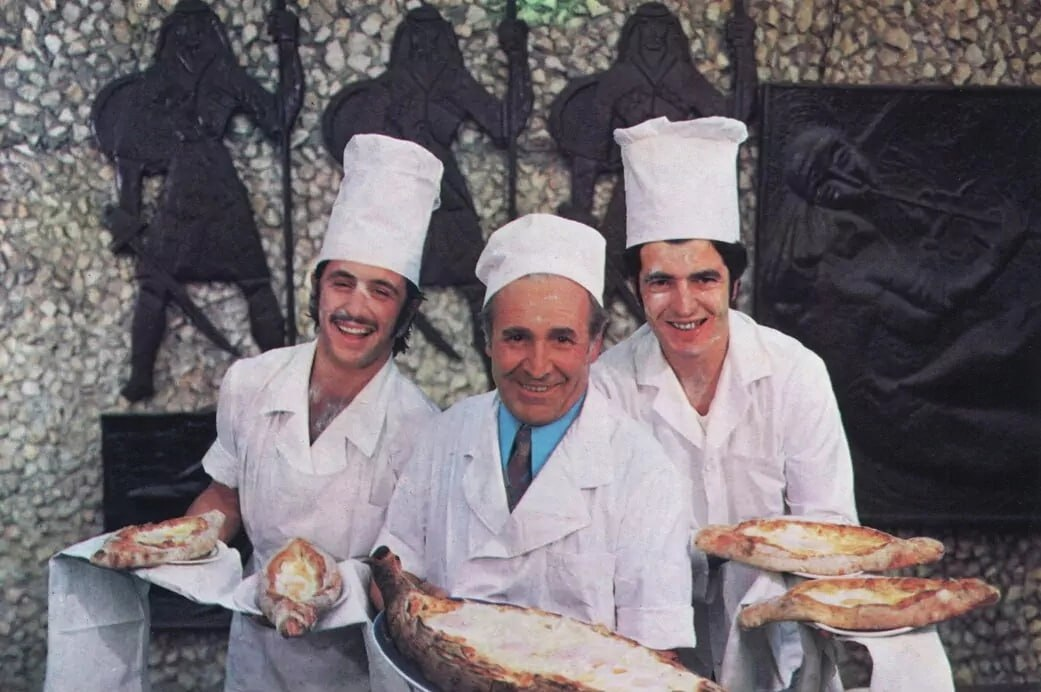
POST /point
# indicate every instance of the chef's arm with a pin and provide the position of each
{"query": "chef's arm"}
(818, 468)
(224, 499)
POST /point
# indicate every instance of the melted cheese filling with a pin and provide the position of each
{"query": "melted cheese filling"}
(851, 597)
(554, 646)
(814, 540)
(173, 532)
(297, 579)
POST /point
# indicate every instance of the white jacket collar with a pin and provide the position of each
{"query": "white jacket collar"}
(746, 358)
(746, 362)
(554, 506)
(361, 422)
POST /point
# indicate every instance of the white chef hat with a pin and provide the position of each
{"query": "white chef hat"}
(681, 179)
(543, 244)
(389, 188)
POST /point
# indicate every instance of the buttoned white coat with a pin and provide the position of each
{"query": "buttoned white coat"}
(773, 445)
(333, 493)
(600, 535)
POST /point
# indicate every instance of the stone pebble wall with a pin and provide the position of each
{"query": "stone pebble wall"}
(66, 301)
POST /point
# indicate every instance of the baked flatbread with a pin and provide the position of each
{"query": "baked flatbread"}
(298, 585)
(872, 603)
(468, 646)
(796, 545)
(150, 545)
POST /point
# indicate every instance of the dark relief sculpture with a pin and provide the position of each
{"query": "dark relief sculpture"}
(653, 76)
(899, 238)
(170, 120)
(424, 96)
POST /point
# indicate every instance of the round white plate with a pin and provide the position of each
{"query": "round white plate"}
(245, 595)
(862, 634)
(807, 575)
(408, 670)
(211, 556)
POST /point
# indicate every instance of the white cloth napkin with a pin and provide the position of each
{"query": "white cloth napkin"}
(754, 659)
(98, 619)
(97, 628)
(912, 661)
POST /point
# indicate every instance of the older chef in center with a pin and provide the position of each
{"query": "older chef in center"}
(539, 493)
(746, 413)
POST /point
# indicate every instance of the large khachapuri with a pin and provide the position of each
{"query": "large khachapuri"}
(784, 544)
(872, 603)
(468, 646)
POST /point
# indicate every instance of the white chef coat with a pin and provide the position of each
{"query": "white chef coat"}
(333, 493)
(601, 534)
(772, 443)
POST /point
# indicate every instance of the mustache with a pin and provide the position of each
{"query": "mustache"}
(342, 315)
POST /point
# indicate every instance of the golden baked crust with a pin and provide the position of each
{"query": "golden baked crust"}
(298, 585)
(469, 646)
(796, 545)
(872, 603)
(149, 545)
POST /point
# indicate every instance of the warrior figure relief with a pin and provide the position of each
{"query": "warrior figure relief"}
(170, 119)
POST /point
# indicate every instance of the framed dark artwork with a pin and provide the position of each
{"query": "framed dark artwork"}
(898, 237)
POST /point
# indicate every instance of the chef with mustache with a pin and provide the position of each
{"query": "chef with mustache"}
(539, 493)
(745, 413)
(307, 435)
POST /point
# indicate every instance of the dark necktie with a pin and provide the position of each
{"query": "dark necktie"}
(518, 468)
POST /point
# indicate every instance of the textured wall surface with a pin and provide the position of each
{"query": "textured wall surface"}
(66, 301)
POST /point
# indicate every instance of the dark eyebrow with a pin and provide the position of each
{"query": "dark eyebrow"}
(344, 274)
(386, 284)
(705, 274)
(567, 332)
(341, 274)
(657, 276)
(507, 332)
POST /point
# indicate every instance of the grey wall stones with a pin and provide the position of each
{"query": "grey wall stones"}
(66, 302)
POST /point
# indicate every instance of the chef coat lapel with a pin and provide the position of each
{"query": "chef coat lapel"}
(656, 379)
(554, 506)
(287, 395)
(482, 481)
(362, 420)
(746, 361)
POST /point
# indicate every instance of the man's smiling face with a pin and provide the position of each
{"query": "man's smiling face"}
(685, 288)
(358, 306)
(540, 346)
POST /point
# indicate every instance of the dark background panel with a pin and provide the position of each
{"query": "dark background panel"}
(898, 237)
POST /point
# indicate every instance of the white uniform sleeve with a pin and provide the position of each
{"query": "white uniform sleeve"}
(222, 460)
(405, 528)
(818, 467)
(652, 567)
